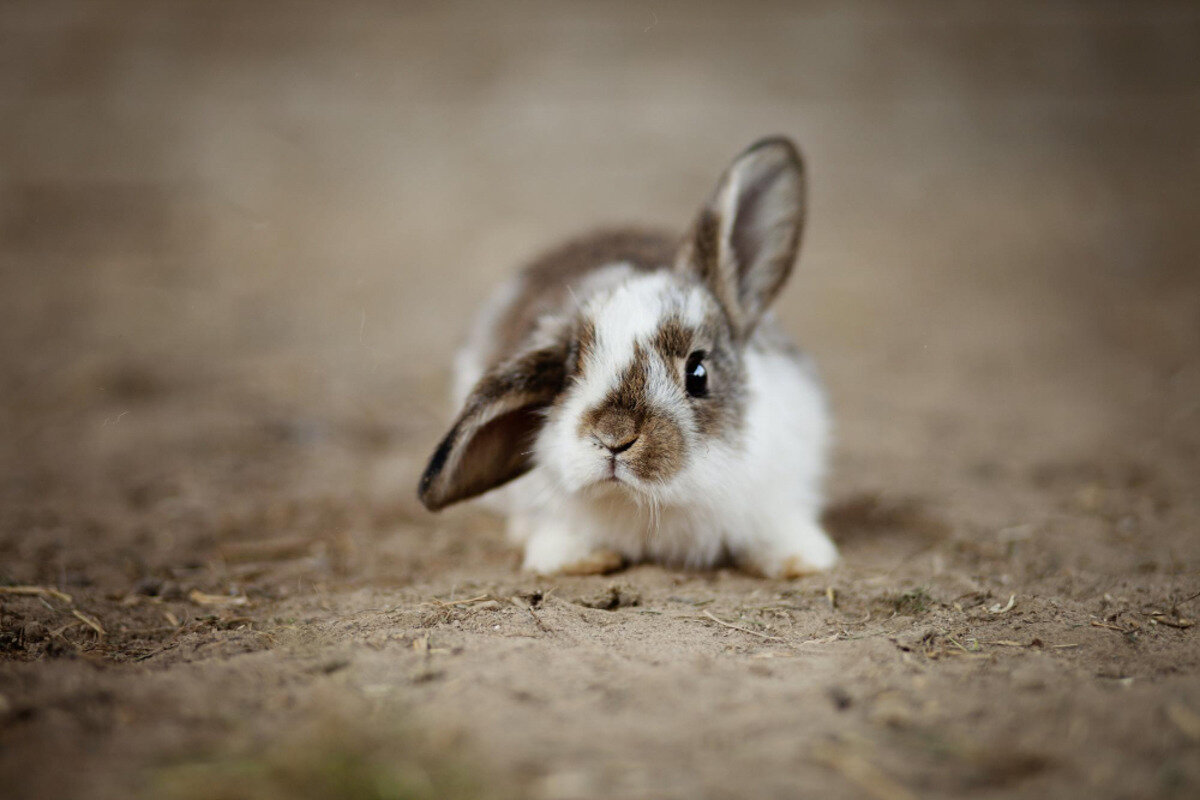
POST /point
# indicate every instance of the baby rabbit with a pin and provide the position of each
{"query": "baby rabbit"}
(638, 388)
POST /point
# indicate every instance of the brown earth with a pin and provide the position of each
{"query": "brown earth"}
(238, 243)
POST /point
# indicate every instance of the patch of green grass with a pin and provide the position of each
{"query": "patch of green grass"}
(912, 603)
(333, 761)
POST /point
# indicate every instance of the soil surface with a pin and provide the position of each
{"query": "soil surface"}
(240, 241)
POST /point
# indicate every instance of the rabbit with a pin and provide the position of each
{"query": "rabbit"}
(637, 393)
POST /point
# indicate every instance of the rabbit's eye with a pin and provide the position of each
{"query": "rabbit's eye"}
(695, 375)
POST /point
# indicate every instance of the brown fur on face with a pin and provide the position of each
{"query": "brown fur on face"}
(674, 340)
(612, 426)
(719, 413)
(584, 345)
(546, 283)
(621, 414)
(659, 449)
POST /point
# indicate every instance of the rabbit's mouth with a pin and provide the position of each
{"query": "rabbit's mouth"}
(618, 479)
(622, 471)
(615, 468)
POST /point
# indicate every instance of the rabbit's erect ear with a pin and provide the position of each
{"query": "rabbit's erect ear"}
(744, 242)
(491, 440)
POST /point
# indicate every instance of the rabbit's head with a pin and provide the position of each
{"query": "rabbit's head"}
(641, 387)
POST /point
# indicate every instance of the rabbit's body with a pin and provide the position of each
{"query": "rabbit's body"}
(645, 400)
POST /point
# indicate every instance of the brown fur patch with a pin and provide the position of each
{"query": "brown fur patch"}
(627, 401)
(661, 448)
(600, 562)
(539, 373)
(547, 282)
(719, 413)
(797, 567)
(584, 345)
(614, 427)
(659, 451)
(630, 391)
(702, 259)
(706, 247)
(673, 339)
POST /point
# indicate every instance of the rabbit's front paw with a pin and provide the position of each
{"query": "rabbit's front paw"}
(554, 550)
(598, 562)
(799, 550)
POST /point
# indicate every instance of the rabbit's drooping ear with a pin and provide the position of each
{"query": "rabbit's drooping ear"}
(744, 242)
(491, 441)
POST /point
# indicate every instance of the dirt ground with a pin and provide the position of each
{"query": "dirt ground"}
(238, 245)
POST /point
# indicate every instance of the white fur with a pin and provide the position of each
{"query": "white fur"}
(758, 498)
(626, 314)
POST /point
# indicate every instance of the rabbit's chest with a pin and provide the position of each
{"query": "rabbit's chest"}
(644, 532)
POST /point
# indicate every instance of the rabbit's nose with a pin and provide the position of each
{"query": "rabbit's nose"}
(615, 445)
(614, 431)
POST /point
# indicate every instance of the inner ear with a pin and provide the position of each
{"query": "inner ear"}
(744, 241)
(756, 213)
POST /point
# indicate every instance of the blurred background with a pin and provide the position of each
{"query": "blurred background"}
(239, 242)
(293, 207)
